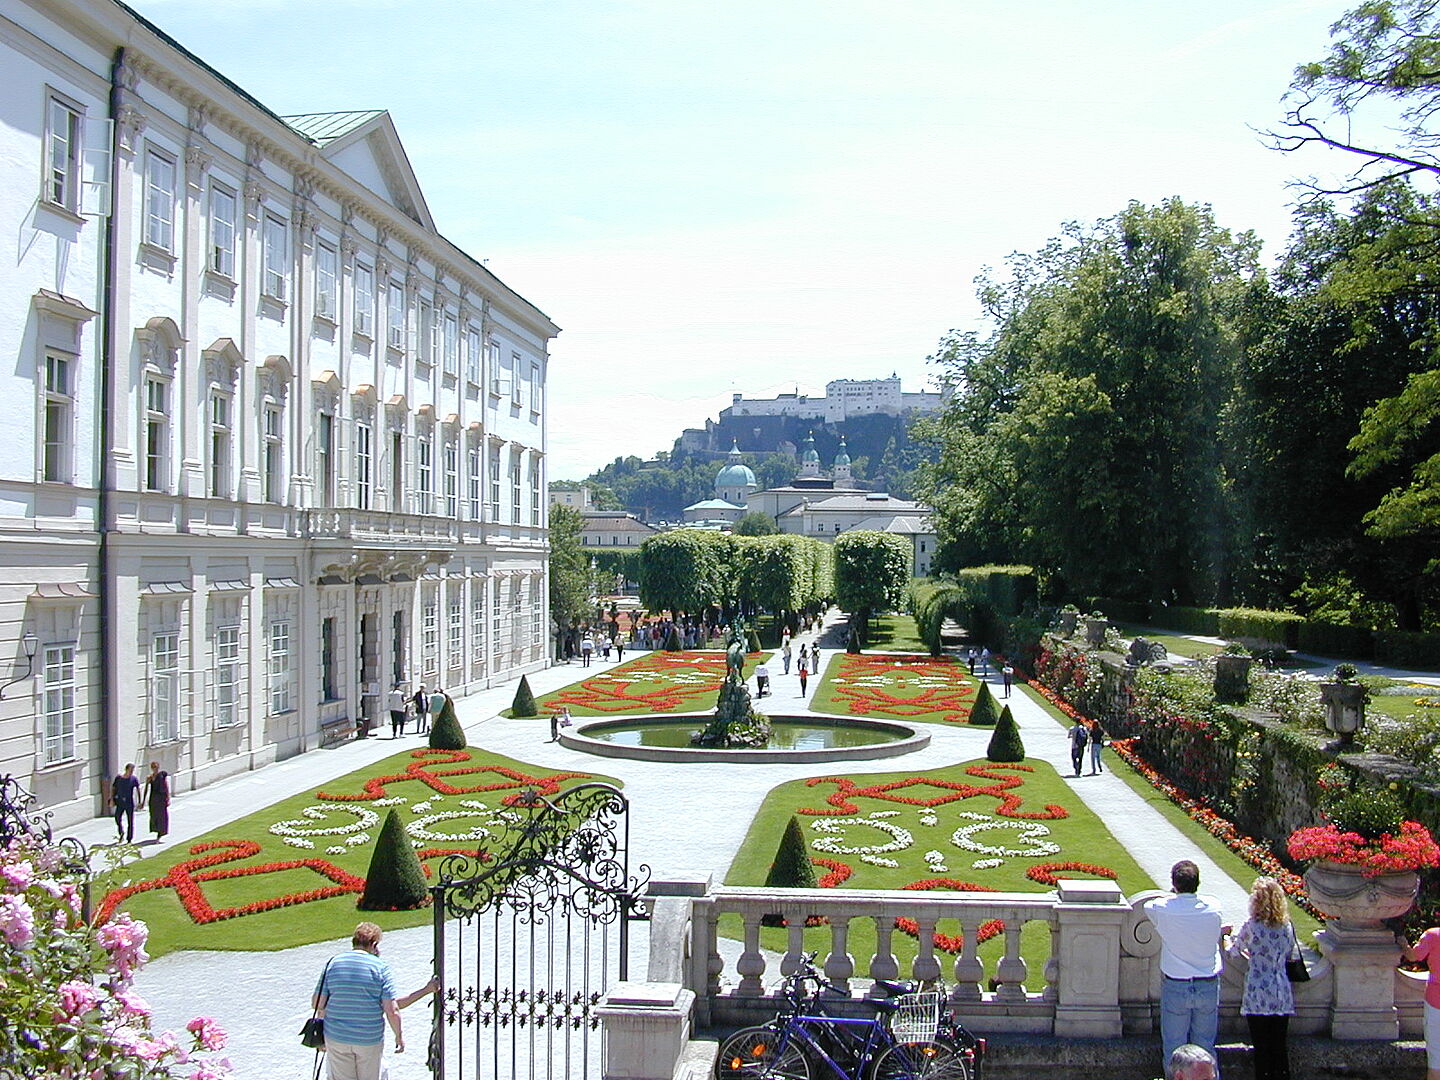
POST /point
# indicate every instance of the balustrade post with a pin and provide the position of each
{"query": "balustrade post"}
(646, 1027)
(883, 964)
(1364, 960)
(794, 944)
(1090, 916)
(969, 972)
(751, 965)
(839, 965)
(926, 967)
(1011, 971)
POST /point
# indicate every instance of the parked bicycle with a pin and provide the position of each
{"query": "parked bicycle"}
(912, 1037)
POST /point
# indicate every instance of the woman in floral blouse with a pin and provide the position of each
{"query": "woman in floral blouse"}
(1266, 939)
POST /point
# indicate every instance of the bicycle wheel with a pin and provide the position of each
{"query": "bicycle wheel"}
(751, 1054)
(920, 1061)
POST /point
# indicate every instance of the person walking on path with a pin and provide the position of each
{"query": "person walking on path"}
(970, 659)
(985, 660)
(1267, 1004)
(1078, 738)
(785, 654)
(1190, 931)
(555, 727)
(620, 649)
(156, 796)
(356, 996)
(804, 670)
(587, 650)
(1427, 949)
(124, 790)
(1008, 673)
(422, 710)
(438, 701)
(396, 704)
(1097, 744)
(762, 679)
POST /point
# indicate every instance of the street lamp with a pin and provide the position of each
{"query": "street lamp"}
(29, 642)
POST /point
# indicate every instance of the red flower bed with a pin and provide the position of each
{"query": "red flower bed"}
(842, 799)
(1049, 873)
(838, 875)
(631, 687)
(423, 770)
(947, 942)
(952, 701)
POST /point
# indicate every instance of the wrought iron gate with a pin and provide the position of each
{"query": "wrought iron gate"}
(529, 936)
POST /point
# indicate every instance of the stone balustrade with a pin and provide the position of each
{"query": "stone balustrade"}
(1099, 977)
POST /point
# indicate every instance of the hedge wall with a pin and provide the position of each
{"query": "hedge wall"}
(1336, 639)
(1260, 627)
(1402, 649)
(1009, 590)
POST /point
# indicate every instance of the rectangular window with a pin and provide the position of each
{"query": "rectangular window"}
(424, 475)
(452, 345)
(397, 472)
(452, 480)
(499, 379)
(425, 333)
(497, 628)
(455, 628)
(329, 677)
(537, 613)
(474, 481)
(395, 315)
(273, 476)
(227, 676)
(165, 687)
(278, 667)
(430, 635)
(160, 200)
(364, 458)
(477, 623)
(325, 458)
(222, 231)
(58, 703)
(62, 157)
(364, 300)
(536, 388)
(515, 380)
(58, 405)
(327, 293)
(157, 434)
(219, 445)
(399, 642)
(535, 503)
(277, 257)
(515, 517)
(473, 355)
(495, 483)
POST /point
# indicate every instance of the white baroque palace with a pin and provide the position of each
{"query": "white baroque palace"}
(272, 444)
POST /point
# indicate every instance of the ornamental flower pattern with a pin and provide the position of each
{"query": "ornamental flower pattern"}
(657, 682)
(900, 838)
(908, 687)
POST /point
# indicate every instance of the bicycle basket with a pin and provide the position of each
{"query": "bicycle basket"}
(916, 1017)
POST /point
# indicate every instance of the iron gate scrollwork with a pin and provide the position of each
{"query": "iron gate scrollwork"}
(530, 932)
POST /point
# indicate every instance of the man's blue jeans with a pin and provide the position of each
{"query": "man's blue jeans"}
(1189, 1013)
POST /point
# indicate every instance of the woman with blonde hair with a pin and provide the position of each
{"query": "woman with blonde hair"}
(1266, 939)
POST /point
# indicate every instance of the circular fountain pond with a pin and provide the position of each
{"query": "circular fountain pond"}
(794, 738)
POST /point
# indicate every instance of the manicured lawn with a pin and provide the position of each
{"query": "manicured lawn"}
(654, 682)
(860, 822)
(1236, 868)
(1175, 644)
(897, 686)
(278, 858)
(894, 632)
(1402, 707)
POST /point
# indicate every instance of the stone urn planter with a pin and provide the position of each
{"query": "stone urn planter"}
(1095, 630)
(1357, 902)
(1344, 707)
(1232, 679)
(1066, 622)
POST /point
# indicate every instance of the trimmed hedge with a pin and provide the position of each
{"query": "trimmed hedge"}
(1271, 627)
(524, 703)
(986, 711)
(1336, 639)
(395, 880)
(1186, 620)
(1405, 649)
(1005, 743)
(1007, 589)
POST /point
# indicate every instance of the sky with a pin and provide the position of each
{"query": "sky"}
(763, 195)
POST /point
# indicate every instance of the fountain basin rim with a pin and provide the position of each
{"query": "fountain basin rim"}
(911, 738)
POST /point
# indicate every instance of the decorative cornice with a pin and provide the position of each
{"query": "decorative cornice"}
(129, 123)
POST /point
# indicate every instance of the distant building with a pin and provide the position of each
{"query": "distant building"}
(579, 497)
(844, 398)
(733, 485)
(611, 529)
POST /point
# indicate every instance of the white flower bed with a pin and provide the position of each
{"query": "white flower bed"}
(365, 818)
(900, 838)
(1031, 832)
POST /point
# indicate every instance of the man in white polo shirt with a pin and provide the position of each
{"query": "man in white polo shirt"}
(1190, 930)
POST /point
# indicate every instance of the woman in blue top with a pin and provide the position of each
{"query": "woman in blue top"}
(1266, 939)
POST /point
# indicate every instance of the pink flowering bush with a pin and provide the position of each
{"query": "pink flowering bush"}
(65, 986)
(1411, 847)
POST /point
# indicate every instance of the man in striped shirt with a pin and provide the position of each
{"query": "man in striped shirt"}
(356, 995)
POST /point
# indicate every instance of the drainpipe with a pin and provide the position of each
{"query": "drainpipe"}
(109, 662)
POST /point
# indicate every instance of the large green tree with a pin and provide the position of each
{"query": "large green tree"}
(570, 585)
(683, 571)
(872, 573)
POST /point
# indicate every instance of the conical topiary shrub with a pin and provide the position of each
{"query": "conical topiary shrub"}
(752, 641)
(395, 881)
(524, 703)
(672, 640)
(985, 712)
(446, 732)
(792, 868)
(1005, 743)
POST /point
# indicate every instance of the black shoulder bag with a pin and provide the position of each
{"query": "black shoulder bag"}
(313, 1033)
(1295, 967)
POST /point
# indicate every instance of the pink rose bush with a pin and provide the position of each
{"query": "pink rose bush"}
(65, 985)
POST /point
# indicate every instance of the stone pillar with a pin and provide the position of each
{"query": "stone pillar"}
(1364, 961)
(646, 1026)
(1090, 917)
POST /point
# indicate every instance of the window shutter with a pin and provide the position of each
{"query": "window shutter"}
(98, 134)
